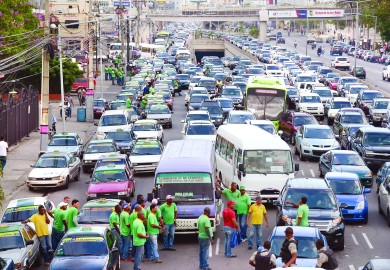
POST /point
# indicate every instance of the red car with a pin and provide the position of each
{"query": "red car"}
(80, 83)
(333, 83)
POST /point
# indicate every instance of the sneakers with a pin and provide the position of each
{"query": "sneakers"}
(47, 263)
(244, 240)
(158, 261)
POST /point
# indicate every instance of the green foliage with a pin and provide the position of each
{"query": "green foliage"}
(254, 31)
(16, 18)
(381, 9)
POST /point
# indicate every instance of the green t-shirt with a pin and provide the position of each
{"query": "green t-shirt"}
(203, 222)
(231, 196)
(152, 219)
(138, 227)
(158, 213)
(242, 204)
(124, 221)
(116, 60)
(59, 217)
(114, 218)
(168, 213)
(128, 103)
(303, 213)
(133, 216)
(70, 214)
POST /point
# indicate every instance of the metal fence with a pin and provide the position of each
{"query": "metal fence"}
(19, 115)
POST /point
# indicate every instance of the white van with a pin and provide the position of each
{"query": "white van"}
(183, 55)
(252, 157)
(113, 120)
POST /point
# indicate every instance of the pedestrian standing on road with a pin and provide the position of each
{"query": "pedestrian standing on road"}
(243, 204)
(232, 194)
(205, 237)
(133, 217)
(124, 227)
(71, 104)
(41, 221)
(128, 102)
(229, 226)
(169, 215)
(114, 224)
(72, 214)
(106, 73)
(326, 258)
(263, 259)
(289, 250)
(60, 225)
(113, 75)
(65, 200)
(139, 238)
(255, 221)
(3, 154)
(302, 213)
(116, 62)
(154, 229)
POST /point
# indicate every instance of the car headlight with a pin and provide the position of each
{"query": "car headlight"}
(369, 154)
(191, 108)
(92, 195)
(305, 143)
(122, 193)
(87, 161)
(360, 206)
(18, 265)
(59, 178)
(337, 221)
(335, 144)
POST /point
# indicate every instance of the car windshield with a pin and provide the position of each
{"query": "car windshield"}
(310, 99)
(316, 198)
(183, 77)
(380, 139)
(110, 161)
(226, 103)
(240, 118)
(332, 75)
(113, 120)
(95, 215)
(346, 187)
(192, 117)
(197, 99)
(63, 142)
(293, 91)
(352, 119)
(356, 90)
(119, 136)
(100, 148)
(381, 105)
(231, 92)
(82, 246)
(341, 104)
(159, 110)
(318, 133)
(195, 79)
(201, 130)
(51, 162)
(306, 247)
(11, 240)
(109, 176)
(371, 95)
(145, 127)
(145, 150)
(18, 214)
(211, 109)
(352, 130)
(207, 83)
(304, 120)
(351, 159)
(116, 105)
(306, 79)
(323, 93)
(325, 71)
(267, 162)
(270, 128)
(255, 71)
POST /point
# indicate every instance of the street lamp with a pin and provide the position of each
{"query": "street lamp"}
(307, 21)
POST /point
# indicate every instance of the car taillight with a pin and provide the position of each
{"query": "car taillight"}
(337, 61)
(347, 61)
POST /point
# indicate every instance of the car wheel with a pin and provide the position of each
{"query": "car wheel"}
(38, 260)
(330, 121)
(388, 78)
(66, 183)
(301, 156)
(132, 193)
(77, 178)
(292, 139)
(340, 246)
(320, 173)
(383, 77)
(296, 151)
(365, 221)
(379, 207)
(85, 170)
(30, 188)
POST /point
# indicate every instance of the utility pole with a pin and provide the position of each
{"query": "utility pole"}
(90, 49)
(120, 29)
(44, 116)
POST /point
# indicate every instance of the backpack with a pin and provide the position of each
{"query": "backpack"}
(332, 261)
(263, 262)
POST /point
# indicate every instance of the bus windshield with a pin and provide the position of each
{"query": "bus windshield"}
(266, 104)
(268, 161)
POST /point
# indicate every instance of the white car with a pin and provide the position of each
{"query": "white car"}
(354, 92)
(54, 170)
(113, 119)
(195, 90)
(195, 115)
(334, 106)
(386, 73)
(148, 129)
(271, 69)
(95, 149)
(199, 130)
(311, 103)
(145, 155)
(340, 62)
(161, 114)
(195, 80)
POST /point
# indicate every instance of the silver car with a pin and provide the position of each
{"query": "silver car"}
(384, 200)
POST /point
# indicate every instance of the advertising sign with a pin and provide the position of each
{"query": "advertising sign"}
(288, 13)
(327, 13)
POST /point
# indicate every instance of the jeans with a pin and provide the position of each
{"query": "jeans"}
(256, 232)
(139, 253)
(148, 252)
(124, 251)
(70, 111)
(169, 235)
(56, 238)
(113, 80)
(118, 238)
(106, 76)
(228, 240)
(45, 242)
(3, 161)
(204, 245)
(154, 247)
(241, 219)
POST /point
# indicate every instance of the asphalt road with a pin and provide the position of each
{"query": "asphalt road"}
(362, 242)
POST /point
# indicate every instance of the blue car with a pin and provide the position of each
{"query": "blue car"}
(348, 189)
(306, 237)
(6, 264)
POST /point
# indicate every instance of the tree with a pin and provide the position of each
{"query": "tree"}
(381, 9)
(254, 31)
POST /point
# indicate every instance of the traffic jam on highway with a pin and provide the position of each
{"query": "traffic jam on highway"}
(283, 156)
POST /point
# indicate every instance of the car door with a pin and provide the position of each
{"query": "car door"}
(112, 244)
(327, 163)
(32, 251)
(383, 194)
(336, 122)
(299, 137)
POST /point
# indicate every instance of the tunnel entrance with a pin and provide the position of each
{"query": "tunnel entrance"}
(199, 54)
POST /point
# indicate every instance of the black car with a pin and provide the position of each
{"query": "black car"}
(358, 72)
(208, 83)
(214, 109)
(348, 135)
(292, 97)
(184, 80)
(366, 98)
(281, 40)
(373, 145)
(336, 50)
(325, 213)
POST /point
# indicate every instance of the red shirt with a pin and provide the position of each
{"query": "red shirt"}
(228, 215)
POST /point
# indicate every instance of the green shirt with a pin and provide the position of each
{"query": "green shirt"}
(158, 213)
(303, 213)
(242, 204)
(203, 224)
(168, 213)
(70, 214)
(124, 221)
(114, 218)
(152, 219)
(133, 216)
(232, 196)
(138, 227)
(128, 103)
(116, 60)
(59, 217)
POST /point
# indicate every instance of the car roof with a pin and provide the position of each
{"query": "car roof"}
(10, 227)
(198, 112)
(100, 203)
(239, 112)
(104, 141)
(383, 263)
(65, 134)
(56, 154)
(335, 99)
(147, 143)
(330, 176)
(114, 112)
(86, 230)
(267, 122)
(27, 202)
(317, 126)
(200, 123)
(147, 121)
(298, 231)
(372, 129)
(111, 167)
(307, 183)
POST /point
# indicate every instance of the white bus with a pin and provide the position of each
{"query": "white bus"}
(252, 157)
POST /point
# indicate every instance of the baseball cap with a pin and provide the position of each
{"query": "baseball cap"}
(230, 203)
(154, 201)
(61, 204)
(260, 249)
(169, 197)
(242, 187)
(125, 205)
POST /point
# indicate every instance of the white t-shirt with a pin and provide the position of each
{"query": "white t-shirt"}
(3, 148)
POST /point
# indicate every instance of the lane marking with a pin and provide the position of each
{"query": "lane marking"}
(312, 172)
(351, 267)
(303, 173)
(367, 240)
(354, 239)
(210, 251)
(217, 246)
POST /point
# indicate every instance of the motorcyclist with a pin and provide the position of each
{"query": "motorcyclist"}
(295, 44)
(319, 51)
(207, 71)
(314, 45)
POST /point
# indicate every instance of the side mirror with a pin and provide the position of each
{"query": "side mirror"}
(343, 205)
(150, 197)
(29, 242)
(95, 124)
(277, 203)
(367, 190)
(218, 194)
(240, 167)
(296, 167)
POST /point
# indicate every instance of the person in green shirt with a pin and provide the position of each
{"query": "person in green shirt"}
(242, 206)
(72, 214)
(105, 73)
(116, 61)
(152, 90)
(302, 213)
(205, 237)
(232, 194)
(154, 230)
(124, 228)
(169, 214)
(114, 224)
(139, 238)
(113, 76)
(109, 69)
(60, 226)
(129, 101)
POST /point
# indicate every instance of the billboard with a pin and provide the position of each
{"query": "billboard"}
(288, 13)
(327, 13)
(302, 13)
